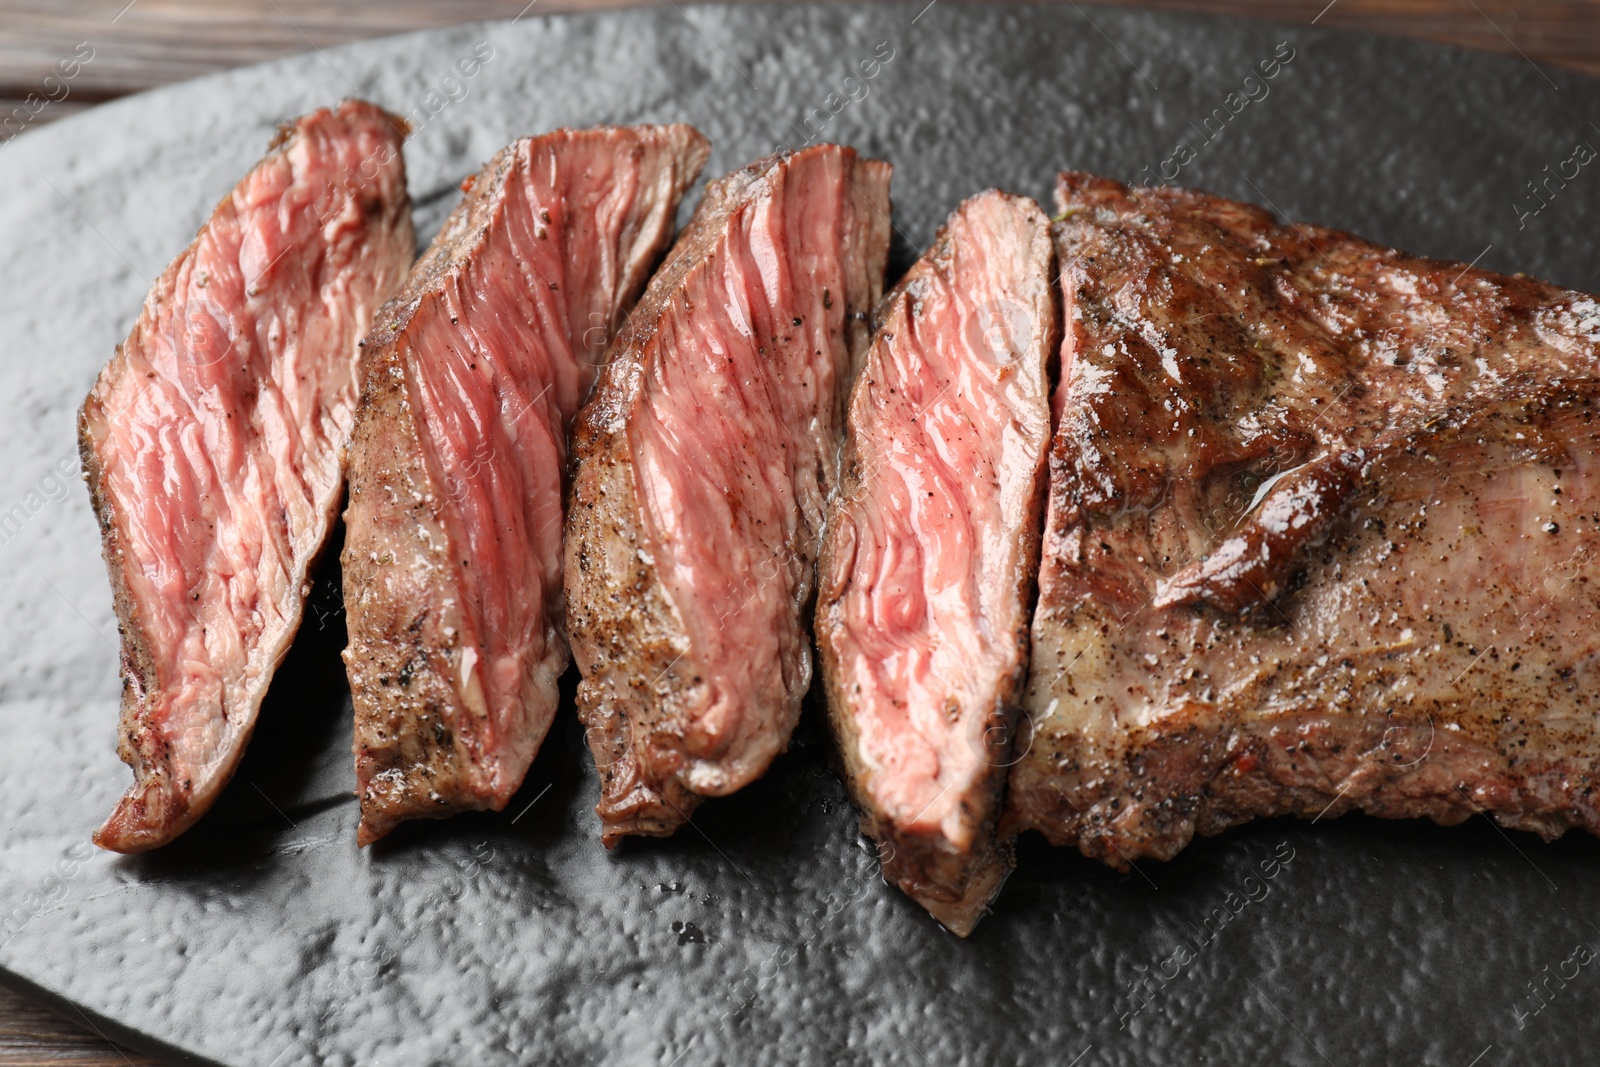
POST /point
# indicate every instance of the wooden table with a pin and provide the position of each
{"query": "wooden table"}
(146, 43)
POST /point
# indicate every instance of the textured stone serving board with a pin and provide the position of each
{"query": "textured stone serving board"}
(762, 933)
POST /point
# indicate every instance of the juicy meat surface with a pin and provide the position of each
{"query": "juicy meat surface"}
(928, 566)
(1320, 530)
(452, 557)
(211, 444)
(704, 461)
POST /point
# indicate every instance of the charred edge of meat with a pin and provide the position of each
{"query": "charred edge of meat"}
(956, 887)
(129, 828)
(1216, 781)
(385, 744)
(621, 644)
(633, 648)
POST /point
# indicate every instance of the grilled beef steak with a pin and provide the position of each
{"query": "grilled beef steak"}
(1320, 536)
(452, 557)
(928, 566)
(211, 443)
(704, 460)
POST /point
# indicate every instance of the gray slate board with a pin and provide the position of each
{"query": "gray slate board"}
(762, 933)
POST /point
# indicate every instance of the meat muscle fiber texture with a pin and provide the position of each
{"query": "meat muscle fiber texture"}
(1321, 537)
(704, 462)
(452, 558)
(211, 444)
(928, 567)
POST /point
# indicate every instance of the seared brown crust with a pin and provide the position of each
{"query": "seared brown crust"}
(638, 683)
(630, 647)
(154, 801)
(1257, 564)
(164, 802)
(956, 885)
(1308, 499)
(404, 621)
(399, 658)
(1518, 744)
(421, 746)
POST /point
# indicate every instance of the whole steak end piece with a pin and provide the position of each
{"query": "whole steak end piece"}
(1321, 530)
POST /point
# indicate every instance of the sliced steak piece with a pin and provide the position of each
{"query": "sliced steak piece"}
(452, 557)
(704, 461)
(928, 567)
(212, 441)
(1321, 526)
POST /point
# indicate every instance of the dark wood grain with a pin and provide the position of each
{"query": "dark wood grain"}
(147, 43)
(30, 1036)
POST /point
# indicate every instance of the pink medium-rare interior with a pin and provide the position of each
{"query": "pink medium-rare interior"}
(731, 440)
(218, 437)
(497, 379)
(951, 426)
